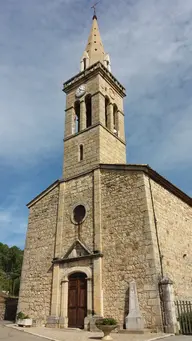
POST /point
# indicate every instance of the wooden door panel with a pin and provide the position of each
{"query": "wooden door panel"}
(82, 298)
(72, 298)
(72, 316)
(77, 300)
(80, 317)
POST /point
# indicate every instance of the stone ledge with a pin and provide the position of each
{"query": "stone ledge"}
(68, 260)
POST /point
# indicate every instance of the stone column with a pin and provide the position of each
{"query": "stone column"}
(82, 115)
(110, 116)
(69, 121)
(73, 121)
(121, 125)
(98, 108)
(97, 210)
(98, 298)
(134, 321)
(60, 217)
(63, 320)
(53, 319)
(171, 325)
(89, 297)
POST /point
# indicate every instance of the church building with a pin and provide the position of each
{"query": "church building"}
(106, 222)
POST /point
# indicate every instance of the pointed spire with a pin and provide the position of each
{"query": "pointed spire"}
(94, 46)
(94, 51)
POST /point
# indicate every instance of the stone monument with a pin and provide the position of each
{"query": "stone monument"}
(171, 324)
(134, 321)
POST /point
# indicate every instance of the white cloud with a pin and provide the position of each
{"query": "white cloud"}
(150, 45)
(149, 42)
(13, 217)
(12, 226)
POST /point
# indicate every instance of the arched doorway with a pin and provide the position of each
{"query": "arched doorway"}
(77, 300)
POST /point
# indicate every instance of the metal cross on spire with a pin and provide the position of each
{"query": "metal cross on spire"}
(94, 8)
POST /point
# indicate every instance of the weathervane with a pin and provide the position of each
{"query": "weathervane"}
(94, 8)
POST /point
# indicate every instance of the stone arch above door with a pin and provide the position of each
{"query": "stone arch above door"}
(69, 271)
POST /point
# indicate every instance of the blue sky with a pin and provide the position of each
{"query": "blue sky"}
(41, 43)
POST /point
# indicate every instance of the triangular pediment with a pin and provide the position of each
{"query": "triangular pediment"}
(78, 249)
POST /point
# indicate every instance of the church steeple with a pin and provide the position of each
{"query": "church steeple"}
(94, 117)
(94, 51)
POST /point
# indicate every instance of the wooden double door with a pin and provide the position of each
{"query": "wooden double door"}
(77, 300)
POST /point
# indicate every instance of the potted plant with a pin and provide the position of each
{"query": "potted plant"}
(106, 325)
(23, 320)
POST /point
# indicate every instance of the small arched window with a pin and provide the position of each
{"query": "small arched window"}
(77, 116)
(115, 119)
(88, 104)
(81, 152)
(84, 63)
(106, 111)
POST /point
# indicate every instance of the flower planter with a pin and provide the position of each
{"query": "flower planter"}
(24, 322)
(106, 329)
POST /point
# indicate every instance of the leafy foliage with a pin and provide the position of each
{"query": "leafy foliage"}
(106, 321)
(10, 268)
(22, 316)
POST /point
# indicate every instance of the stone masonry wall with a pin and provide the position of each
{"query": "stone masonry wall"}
(36, 280)
(174, 224)
(127, 247)
(77, 191)
(90, 141)
(111, 149)
(99, 144)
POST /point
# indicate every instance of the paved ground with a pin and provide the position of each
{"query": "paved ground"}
(80, 335)
(9, 334)
(180, 338)
(13, 333)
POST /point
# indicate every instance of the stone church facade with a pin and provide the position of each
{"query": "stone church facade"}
(105, 223)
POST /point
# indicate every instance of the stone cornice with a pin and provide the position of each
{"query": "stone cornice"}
(92, 127)
(71, 107)
(69, 260)
(123, 167)
(97, 68)
(42, 194)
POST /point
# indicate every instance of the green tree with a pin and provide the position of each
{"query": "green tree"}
(10, 268)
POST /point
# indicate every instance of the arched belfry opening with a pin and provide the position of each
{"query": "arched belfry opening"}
(115, 118)
(88, 105)
(77, 116)
(107, 101)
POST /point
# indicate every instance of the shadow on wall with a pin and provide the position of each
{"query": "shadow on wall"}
(126, 306)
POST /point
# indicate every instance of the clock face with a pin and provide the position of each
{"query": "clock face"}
(80, 91)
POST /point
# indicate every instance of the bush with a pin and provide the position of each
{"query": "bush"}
(107, 321)
(22, 316)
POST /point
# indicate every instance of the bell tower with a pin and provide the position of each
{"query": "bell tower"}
(94, 116)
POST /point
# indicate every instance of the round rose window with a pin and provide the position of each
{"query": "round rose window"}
(79, 213)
